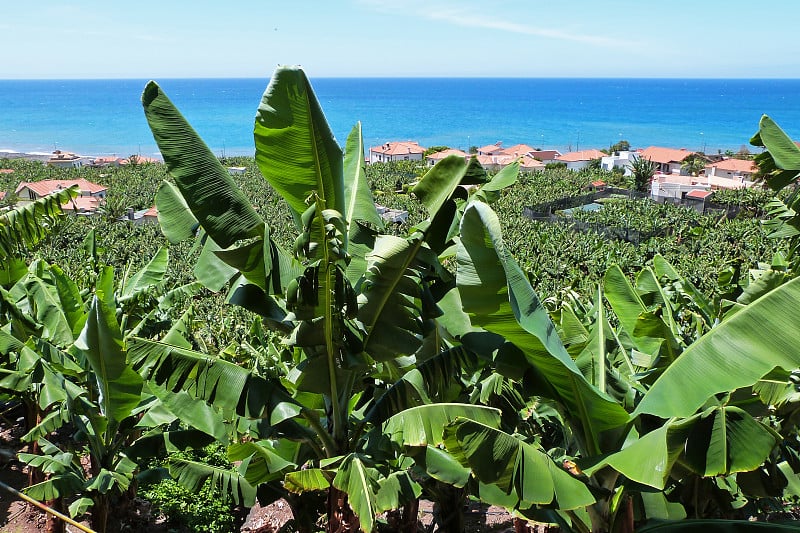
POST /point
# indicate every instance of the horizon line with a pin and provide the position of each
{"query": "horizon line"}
(417, 77)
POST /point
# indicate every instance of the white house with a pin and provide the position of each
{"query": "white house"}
(65, 160)
(435, 157)
(667, 160)
(621, 159)
(396, 151)
(579, 160)
(741, 169)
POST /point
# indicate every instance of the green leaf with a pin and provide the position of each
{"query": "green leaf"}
(176, 219)
(101, 341)
(80, 506)
(656, 506)
(392, 286)
(735, 354)
(218, 382)
(514, 466)
(439, 183)
(783, 150)
(204, 183)
(395, 491)
(295, 148)
(49, 311)
(360, 484)
(26, 225)
(310, 479)
(150, 275)
(71, 300)
(423, 425)
(359, 203)
(720, 441)
(498, 297)
(192, 475)
(490, 191)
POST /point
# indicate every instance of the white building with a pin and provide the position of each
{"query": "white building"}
(396, 151)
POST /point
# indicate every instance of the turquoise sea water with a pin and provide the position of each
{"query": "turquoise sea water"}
(95, 117)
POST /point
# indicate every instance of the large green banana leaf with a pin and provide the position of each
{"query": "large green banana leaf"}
(438, 184)
(781, 162)
(499, 298)
(101, 341)
(737, 353)
(149, 276)
(424, 425)
(218, 382)
(514, 466)
(295, 148)
(720, 441)
(26, 225)
(177, 221)
(208, 189)
(360, 482)
(359, 205)
(394, 299)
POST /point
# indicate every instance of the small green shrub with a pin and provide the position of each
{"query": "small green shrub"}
(208, 511)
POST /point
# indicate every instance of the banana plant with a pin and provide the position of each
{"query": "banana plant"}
(354, 312)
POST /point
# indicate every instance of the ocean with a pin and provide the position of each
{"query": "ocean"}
(104, 117)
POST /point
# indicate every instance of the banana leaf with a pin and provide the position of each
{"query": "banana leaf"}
(737, 353)
(514, 466)
(498, 297)
(295, 148)
(208, 189)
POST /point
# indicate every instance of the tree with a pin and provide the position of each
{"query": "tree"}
(693, 164)
(621, 146)
(642, 172)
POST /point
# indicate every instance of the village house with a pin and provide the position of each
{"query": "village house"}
(491, 149)
(620, 159)
(65, 160)
(579, 160)
(667, 160)
(435, 157)
(545, 156)
(90, 197)
(396, 151)
(105, 161)
(740, 169)
(143, 216)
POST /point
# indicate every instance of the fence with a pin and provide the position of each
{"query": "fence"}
(549, 212)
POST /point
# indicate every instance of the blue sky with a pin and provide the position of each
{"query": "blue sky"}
(516, 38)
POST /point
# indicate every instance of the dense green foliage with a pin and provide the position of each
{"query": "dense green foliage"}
(377, 365)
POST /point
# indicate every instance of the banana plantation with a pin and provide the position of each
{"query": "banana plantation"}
(354, 368)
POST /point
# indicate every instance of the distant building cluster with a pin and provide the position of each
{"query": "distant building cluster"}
(673, 177)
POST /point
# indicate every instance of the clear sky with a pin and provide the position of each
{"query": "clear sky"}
(515, 38)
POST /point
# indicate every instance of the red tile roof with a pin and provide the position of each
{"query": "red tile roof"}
(734, 165)
(700, 194)
(398, 148)
(45, 187)
(657, 154)
(526, 162)
(546, 155)
(438, 156)
(583, 155)
(491, 148)
(6, 170)
(82, 204)
(152, 212)
(519, 149)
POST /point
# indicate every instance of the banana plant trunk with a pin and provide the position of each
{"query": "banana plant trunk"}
(341, 518)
